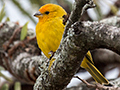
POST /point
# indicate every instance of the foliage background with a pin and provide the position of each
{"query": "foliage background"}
(21, 11)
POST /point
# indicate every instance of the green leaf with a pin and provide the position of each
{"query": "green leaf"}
(24, 31)
(114, 9)
(7, 19)
(5, 87)
(17, 86)
(5, 77)
(1, 68)
(2, 13)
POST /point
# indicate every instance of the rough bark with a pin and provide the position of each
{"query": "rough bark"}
(21, 60)
(81, 38)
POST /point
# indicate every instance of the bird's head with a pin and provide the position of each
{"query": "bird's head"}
(49, 11)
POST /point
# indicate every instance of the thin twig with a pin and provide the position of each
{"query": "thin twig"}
(6, 45)
(21, 43)
(97, 85)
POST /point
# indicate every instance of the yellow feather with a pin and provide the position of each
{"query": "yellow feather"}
(88, 64)
(49, 29)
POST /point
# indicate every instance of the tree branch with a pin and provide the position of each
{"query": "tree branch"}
(78, 10)
(79, 38)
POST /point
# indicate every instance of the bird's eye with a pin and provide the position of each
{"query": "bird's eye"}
(47, 12)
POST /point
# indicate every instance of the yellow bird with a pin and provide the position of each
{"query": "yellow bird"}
(49, 31)
(50, 28)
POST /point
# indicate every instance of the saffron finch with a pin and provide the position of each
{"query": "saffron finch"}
(50, 28)
(49, 31)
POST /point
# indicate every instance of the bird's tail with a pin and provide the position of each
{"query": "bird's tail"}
(88, 64)
(50, 63)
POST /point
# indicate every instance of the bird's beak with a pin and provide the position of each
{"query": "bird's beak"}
(38, 14)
